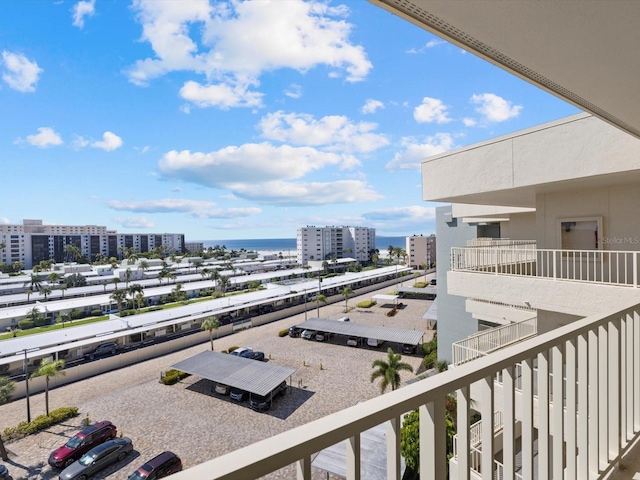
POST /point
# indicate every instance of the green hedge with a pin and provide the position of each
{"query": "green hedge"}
(39, 423)
(283, 333)
(41, 321)
(366, 304)
(173, 376)
(26, 324)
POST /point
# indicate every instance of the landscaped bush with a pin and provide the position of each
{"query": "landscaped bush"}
(420, 284)
(126, 313)
(283, 333)
(39, 423)
(154, 308)
(25, 324)
(231, 349)
(41, 321)
(173, 376)
(96, 313)
(391, 312)
(76, 314)
(366, 304)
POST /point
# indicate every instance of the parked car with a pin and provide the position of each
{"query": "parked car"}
(163, 465)
(222, 389)
(261, 403)
(374, 342)
(240, 350)
(307, 334)
(97, 458)
(353, 341)
(4, 473)
(408, 348)
(343, 319)
(322, 336)
(294, 331)
(433, 281)
(265, 309)
(253, 355)
(82, 442)
(103, 350)
(238, 395)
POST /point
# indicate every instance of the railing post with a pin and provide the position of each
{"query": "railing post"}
(393, 449)
(464, 400)
(487, 465)
(543, 415)
(635, 269)
(353, 458)
(527, 419)
(508, 422)
(433, 461)
(303, 469)
(557, 424)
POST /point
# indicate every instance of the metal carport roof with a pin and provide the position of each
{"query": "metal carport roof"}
(388, 334)
(250, 375)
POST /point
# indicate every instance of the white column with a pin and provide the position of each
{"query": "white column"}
(464, 399)
(603, 398)
(527, 418)
(557, 423)
(583, 404)
(433, 459)
(636, 371)
(615, 388)
(544, 451)
(353, 457)
(571, 410)
(509, 421)
(594, 409)
(393, 448)
(486, 410)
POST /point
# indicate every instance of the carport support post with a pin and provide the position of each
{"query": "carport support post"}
(26, 384)
(319, 292)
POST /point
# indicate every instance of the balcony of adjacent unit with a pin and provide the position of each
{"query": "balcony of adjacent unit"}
(572, 282)
(580, 424)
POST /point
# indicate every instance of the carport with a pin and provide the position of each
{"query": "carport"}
(360, 330)
(252, 376)
(385, 298)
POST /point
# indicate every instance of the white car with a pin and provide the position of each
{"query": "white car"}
(307, 334)
(240, 350)
(352, 342)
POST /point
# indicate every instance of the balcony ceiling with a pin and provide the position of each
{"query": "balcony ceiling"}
(583, 52)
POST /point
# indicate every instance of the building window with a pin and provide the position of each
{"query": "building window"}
(581, 233)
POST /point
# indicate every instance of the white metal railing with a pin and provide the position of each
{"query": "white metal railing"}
(487, 341)
(600, 358)
(502, 304)
(475, 432)
(500, 242)
(599, 266)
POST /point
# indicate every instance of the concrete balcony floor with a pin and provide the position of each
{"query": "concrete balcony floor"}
(630, 465)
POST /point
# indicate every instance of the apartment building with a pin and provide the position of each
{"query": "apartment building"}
(559, 397)
(193, 247)
(32, 242)
(325, 243)
(421, 250)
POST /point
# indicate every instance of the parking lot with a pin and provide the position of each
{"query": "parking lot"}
(198, 424)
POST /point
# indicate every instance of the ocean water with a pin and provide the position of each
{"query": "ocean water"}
(289, 244)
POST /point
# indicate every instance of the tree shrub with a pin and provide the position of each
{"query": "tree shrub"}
(231, 349)
(155, 308)
(366, 304)
(39, 423)
(283, 333)
(26, 324)
(173, 376)
(76, 314)
(41, 321)
(96, 313)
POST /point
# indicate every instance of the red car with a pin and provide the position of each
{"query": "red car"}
(165, 464)
(82, 442)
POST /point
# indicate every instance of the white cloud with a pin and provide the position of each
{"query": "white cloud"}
(239, 41)
(110, 141)
(294, 91)
(430, 44)
(79, 142)
(220, 95)
(197, 208)
(414, 151)
(415, 213)
(431, 110)
(135, 222)
(20, 73)
(372, 105)
(495, 108)
(334, 132)
(469, 122)
(45, 137)
(82, 9)
(4, 221)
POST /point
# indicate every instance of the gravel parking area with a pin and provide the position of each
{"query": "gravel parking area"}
(197, 424)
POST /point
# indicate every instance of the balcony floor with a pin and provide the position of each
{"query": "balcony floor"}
(630, 465)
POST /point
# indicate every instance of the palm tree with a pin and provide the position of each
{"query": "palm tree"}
(325, 266)
(320, 298)
(63, 287)
(389, 370)
(34, 314)
(53, 277)
(63, 318)
(211, 324)
(178, 294)
(35, 282)
(7, 386)
(127, 277)
(133, 290)
(49, 369)
(139, 300)
(115, 281)
(119, 296)
(143, 265)
(45, 291)
(29, 292)
(224, 282)
(346, 291)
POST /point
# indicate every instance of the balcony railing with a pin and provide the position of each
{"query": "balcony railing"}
(487, 341)
(600, 358)
(598, 266)
(501, 242)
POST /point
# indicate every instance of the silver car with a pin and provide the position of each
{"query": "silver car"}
(97, 458)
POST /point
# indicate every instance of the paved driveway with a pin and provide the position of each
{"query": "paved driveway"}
(195, 422)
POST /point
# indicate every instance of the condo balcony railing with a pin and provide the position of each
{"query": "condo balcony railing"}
(598, 266)
(500, 242)
(600, 388)
(487, 341)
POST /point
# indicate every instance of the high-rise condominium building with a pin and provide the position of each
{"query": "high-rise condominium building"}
(421, 250)
(32, 242)
(325, 243)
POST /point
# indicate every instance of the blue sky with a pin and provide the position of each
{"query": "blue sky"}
(237, 120)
